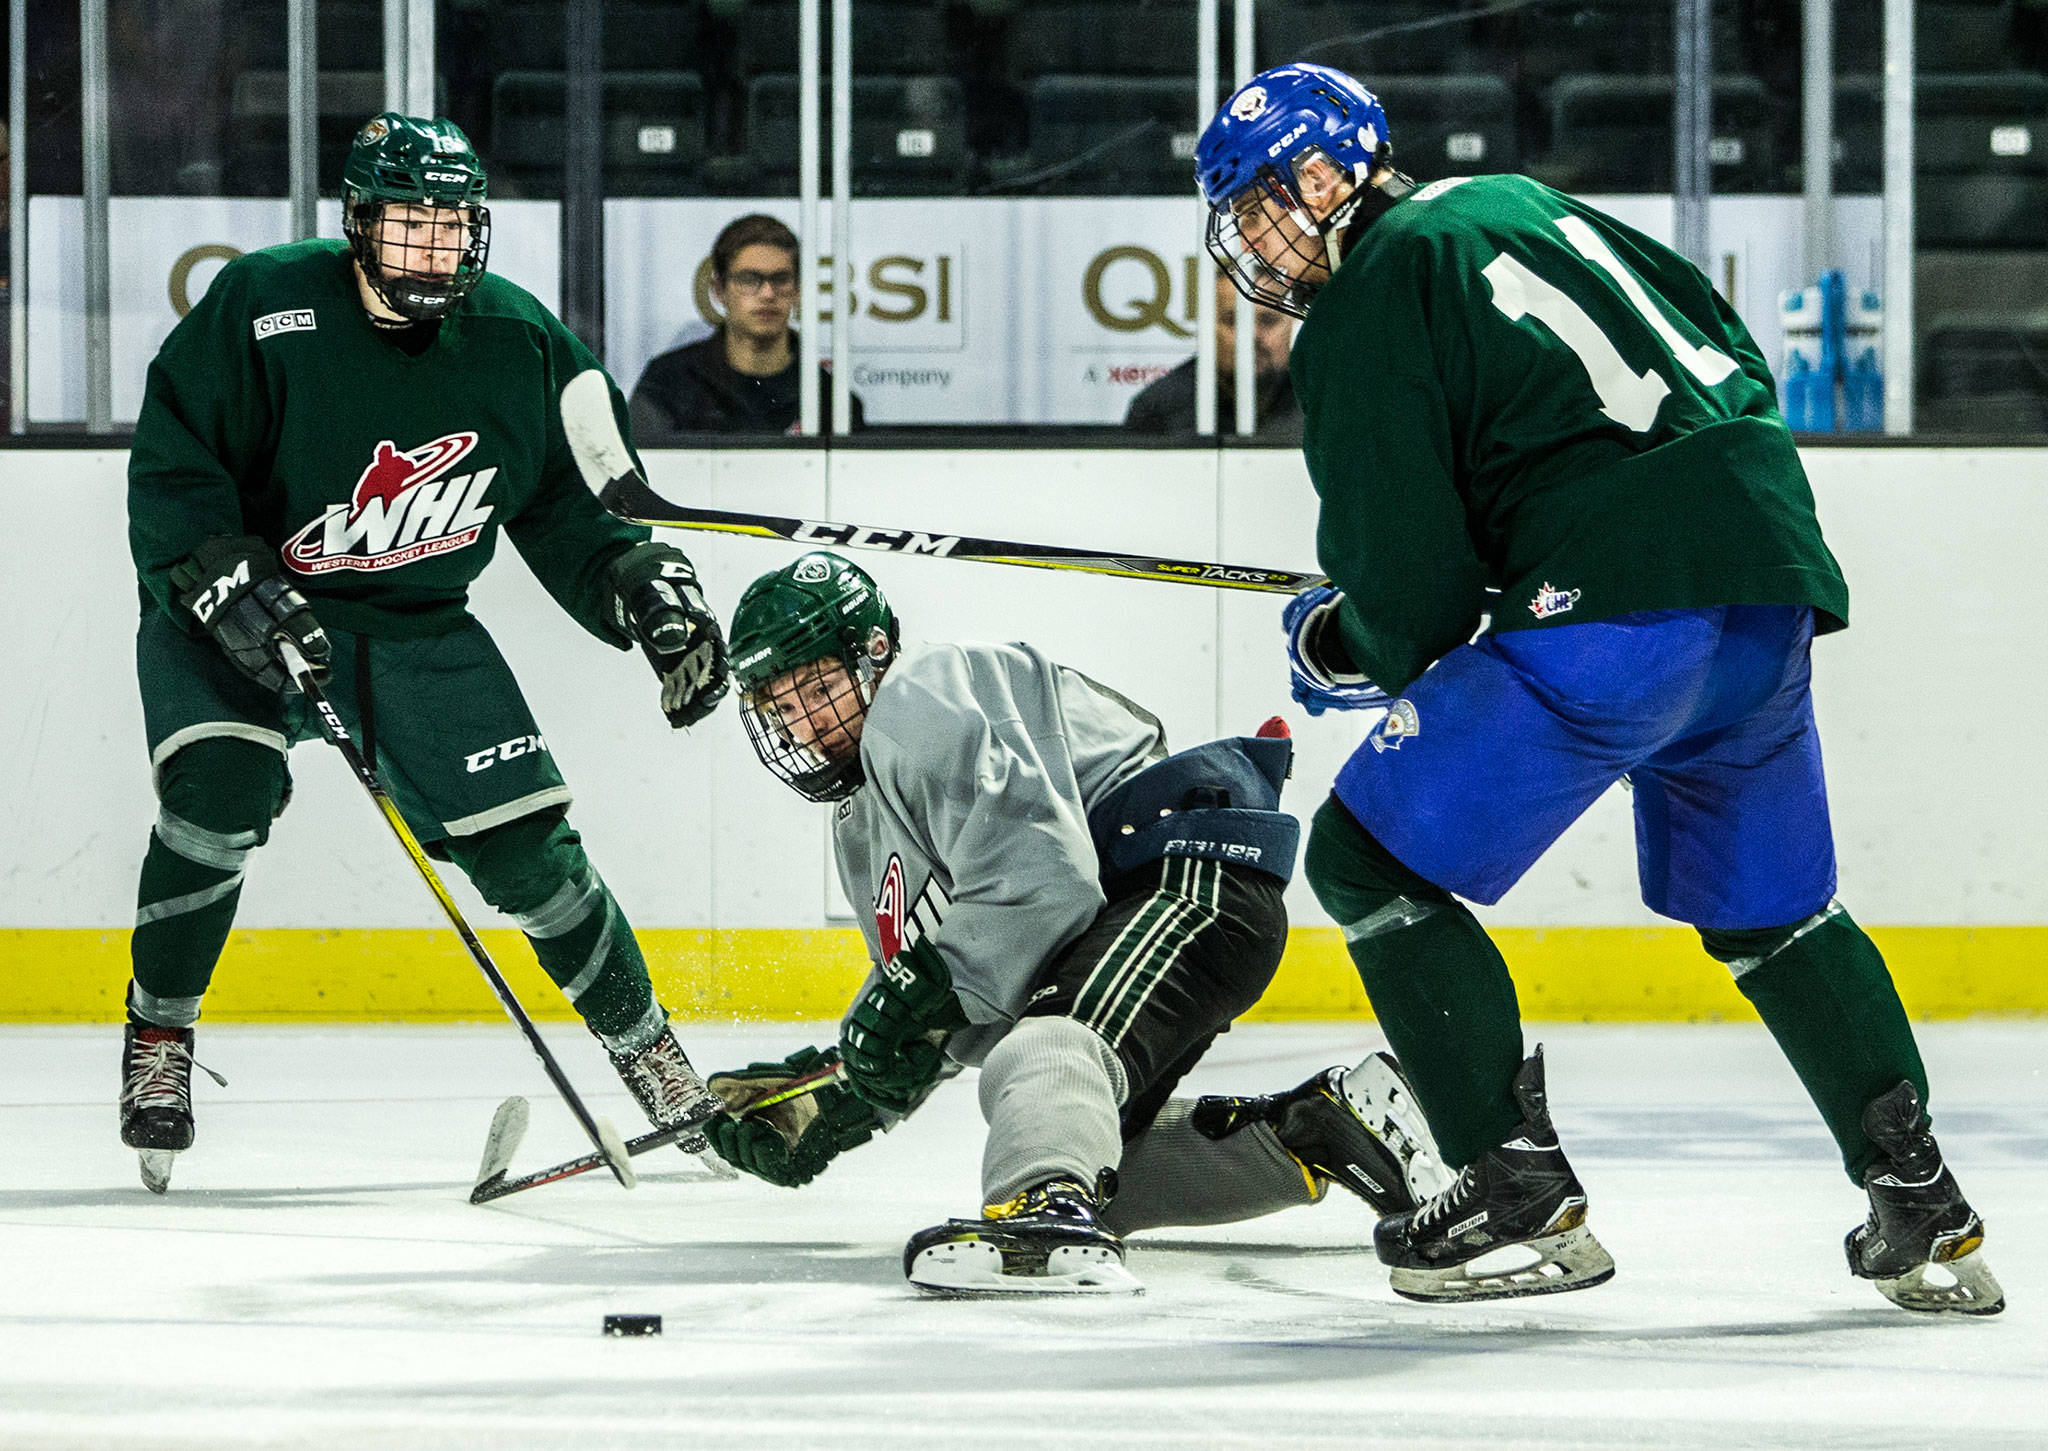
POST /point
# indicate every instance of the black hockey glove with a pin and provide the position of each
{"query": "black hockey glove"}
(891, 1040)
(656, 600)
(791, 1142)
(235, 589)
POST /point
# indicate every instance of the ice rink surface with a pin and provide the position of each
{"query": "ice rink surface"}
(317, 1279)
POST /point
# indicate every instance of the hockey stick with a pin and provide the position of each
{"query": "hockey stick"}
(608, 468)
(602, 1135)
(508, 1127)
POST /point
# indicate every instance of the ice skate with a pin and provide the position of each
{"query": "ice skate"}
(670, 1091)
(1359, 1127)
(1047, 1241)
(1512, 1223)
(156, 1097)
(1922, 1240)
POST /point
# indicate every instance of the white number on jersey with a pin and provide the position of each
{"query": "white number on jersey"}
(1628, 397)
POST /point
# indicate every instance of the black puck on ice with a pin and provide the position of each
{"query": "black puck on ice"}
(632, 1325)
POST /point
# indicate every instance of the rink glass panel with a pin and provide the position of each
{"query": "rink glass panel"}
(1025, 239)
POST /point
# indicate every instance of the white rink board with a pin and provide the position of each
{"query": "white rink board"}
(1930, 708)
(316, 1280)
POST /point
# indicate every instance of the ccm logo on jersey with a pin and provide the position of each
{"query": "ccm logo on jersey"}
(489, 756)
(298, 320)
(898, 925)
(405, 507)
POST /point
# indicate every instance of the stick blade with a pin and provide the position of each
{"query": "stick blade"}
(593, 431)
(508, 1129)
(616, 1155)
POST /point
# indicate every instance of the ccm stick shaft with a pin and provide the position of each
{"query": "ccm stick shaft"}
(609, 469)
(611, 1154)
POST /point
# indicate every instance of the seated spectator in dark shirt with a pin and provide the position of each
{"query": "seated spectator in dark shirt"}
(743, 378)
(1167, 404)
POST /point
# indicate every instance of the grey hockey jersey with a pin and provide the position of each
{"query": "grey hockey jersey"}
(982, 764)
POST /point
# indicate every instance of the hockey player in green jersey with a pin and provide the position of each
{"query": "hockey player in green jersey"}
(1504, 389)
(1048, 894)
(329, 444)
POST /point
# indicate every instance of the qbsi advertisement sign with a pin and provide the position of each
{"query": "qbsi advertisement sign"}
(973, 310)
(1040, 310)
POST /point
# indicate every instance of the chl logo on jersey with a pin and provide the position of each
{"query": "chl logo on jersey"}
(403, 509)
(897, 925)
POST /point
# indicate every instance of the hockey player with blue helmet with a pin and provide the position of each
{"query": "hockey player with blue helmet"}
(1570, 543)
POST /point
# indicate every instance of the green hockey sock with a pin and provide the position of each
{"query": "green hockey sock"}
(1822, 988)
(1438, 985)
(534, 870)
(217, 798)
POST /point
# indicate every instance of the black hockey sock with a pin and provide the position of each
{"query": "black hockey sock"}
(217, 799)
(534, 870)
(1438, 985)
(1822, 988)
(183, 914)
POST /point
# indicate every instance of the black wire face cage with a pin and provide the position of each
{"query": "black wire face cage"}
(808, 737)
(420, 292)
(1293, 246)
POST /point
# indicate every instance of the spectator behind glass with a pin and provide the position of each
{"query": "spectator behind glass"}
(743, 378)
(1167, 405)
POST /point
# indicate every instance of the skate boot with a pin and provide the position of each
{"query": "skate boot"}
(1049, 1240)
(156, 1097)
(1921, 1241)
(1359, 1127)
(1521, 1198)
(669, 1091)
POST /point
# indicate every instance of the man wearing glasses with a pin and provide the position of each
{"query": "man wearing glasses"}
(743, 378)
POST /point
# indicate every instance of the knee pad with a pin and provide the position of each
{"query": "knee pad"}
(222, 787)
(1365, 887)
(533, 870)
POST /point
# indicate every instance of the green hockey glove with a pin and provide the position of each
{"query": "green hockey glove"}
(235, 589)
(891, 1040)
(657, 601)
(787, 1143)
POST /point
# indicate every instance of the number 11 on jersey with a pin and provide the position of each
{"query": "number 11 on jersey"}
(1628, 397)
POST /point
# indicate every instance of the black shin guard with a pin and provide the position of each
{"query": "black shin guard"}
(1438, 985)
(1822, 988)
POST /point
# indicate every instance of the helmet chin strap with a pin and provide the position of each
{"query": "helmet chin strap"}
(1372, 200)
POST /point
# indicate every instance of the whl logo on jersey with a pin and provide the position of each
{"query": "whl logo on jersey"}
(407, 505)
(900, 922)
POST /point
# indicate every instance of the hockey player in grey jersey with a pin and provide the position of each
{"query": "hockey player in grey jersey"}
(1059, 901)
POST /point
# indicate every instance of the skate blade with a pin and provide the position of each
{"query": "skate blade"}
(1962, 1286)
(1573, 1260)
(1384, 1103)
(156, 1169)
(973, 1268)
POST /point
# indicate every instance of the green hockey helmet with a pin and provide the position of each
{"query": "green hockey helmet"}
(398, 161)
(808, 644)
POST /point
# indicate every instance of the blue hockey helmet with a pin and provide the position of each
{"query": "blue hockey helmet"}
(1250, 164)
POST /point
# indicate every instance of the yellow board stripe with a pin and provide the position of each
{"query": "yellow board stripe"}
(1591, 974)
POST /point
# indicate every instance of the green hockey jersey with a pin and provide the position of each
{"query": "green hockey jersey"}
(275, 408)
(1505, 388)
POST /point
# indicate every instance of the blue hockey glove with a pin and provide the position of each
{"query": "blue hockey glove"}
(890, 1041)
(1324, 677)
